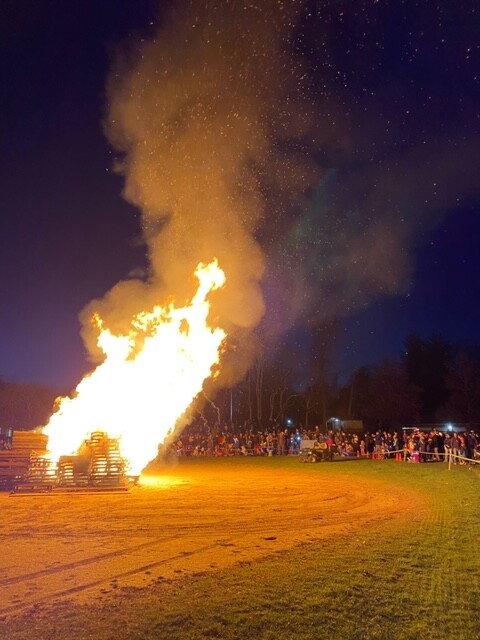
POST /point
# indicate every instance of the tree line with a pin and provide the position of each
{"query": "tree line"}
(431, 382)
(25, 406)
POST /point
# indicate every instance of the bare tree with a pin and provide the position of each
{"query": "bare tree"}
(463, 383)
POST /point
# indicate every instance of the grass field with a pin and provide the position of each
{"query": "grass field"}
(415, 575)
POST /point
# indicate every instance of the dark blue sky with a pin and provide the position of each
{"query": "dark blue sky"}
(401, 81)
(443, 298)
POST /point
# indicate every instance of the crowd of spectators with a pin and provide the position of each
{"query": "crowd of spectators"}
(436, 446)
(416, 445)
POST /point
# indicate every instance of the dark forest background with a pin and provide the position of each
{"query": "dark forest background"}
(433, 381)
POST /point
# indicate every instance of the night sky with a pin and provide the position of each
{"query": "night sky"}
(339, 140)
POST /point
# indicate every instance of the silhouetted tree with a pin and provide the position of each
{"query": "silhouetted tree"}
(361, 394)
(396, 400)
(427, 364)
(463, 385)
(324, 389)
(382, 396)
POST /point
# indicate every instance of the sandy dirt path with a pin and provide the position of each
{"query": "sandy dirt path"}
(199, 517)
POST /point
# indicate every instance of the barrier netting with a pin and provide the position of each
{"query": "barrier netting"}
(414, 456)
(400, 455)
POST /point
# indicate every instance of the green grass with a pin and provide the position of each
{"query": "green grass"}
(418, 581)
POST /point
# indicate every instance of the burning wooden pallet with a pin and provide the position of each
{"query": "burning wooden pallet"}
(98, 463)
(97, 466)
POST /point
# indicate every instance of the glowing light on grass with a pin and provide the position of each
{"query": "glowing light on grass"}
(160, 482)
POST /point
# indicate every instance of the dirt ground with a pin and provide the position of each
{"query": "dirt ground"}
(194, 518)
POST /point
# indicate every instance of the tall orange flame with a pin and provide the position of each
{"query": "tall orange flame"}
(147, 381)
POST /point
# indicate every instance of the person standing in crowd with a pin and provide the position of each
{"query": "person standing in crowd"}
(421, 448)
(461, 450)
(447, 447)
(454, 447)
(396, 442)
(435, 445)
(369, 444)
(378, 444)
(470, 444)
(363, 450)
(282, 443)
(330, 447)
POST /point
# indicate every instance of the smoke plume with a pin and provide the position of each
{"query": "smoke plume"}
(250, 133)
(210, 115)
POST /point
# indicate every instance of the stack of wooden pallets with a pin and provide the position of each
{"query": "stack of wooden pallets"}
(16, 458)
(108, 466)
